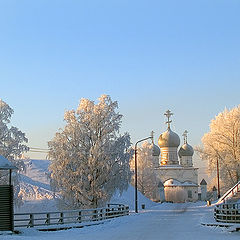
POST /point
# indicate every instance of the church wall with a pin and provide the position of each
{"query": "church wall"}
(179, 173)
(186, 161)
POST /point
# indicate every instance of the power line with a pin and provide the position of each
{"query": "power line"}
(36, 148)
(38, 151)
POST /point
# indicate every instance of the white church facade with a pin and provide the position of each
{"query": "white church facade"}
(177, 177)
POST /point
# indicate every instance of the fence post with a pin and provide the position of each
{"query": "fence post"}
(107, 212)
(95, 215)
(79, 217)
(48, 219)
(61, 218)
(31, 221)
(101, 214)
(119, 210)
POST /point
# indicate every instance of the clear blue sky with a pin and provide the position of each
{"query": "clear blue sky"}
(148, 55)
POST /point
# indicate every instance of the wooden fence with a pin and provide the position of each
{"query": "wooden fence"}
(227, 212)
(69, 217)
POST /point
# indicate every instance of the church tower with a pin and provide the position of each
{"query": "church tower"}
(186, 152)
(168, 143)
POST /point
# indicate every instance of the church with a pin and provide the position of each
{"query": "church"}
(177, 177)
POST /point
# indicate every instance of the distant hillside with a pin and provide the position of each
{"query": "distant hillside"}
(36, 192)
(35, 189)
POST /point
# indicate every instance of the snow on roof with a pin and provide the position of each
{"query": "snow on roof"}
(176, 183)
(5, 164)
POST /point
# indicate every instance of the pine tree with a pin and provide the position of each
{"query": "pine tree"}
(89, 158)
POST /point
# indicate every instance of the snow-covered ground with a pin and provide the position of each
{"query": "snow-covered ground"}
(163, 221)
(158, 221)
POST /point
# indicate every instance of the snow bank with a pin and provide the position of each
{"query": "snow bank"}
(128, 198)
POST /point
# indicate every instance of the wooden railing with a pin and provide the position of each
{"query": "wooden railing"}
(69, 217)
(227, 212)
(230, 193)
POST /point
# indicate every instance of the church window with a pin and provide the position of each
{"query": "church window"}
(189, 194)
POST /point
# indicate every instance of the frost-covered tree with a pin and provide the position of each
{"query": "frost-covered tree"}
(12, 145)
(12, 140)
(89, 158)
(147, 181)
(222, 143)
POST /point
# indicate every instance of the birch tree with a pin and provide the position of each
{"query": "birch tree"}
(12, 145)
(222, 143)
(89, 158)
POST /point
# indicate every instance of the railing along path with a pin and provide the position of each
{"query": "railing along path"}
(227, 209)
(69, 217)
(227, 213)
(230, 193)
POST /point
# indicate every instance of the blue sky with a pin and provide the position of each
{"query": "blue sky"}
(150, 56)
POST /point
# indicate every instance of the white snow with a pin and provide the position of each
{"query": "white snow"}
(127, 198)
(180, 221)
(174, 182)
(164, 221)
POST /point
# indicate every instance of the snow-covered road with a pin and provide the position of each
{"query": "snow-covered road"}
(165, 221)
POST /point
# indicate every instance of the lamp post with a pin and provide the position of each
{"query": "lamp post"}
(136, 174)
(218, 184)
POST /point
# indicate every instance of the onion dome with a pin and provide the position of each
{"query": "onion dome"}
(185, 150)
(168, 139)
(155, 150)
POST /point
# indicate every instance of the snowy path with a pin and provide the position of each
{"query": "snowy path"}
(166, 221)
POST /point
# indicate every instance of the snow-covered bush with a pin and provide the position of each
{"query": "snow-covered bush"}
(175, 194)
(89, 158)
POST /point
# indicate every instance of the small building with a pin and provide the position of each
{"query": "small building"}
(6, 197)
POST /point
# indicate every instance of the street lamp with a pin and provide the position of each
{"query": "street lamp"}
(218, 179)
(135, 150)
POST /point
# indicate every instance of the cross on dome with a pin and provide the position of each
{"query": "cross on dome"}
(168, 114)
(185, 136)
(152, 135)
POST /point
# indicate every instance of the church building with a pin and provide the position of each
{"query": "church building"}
(177, 177)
